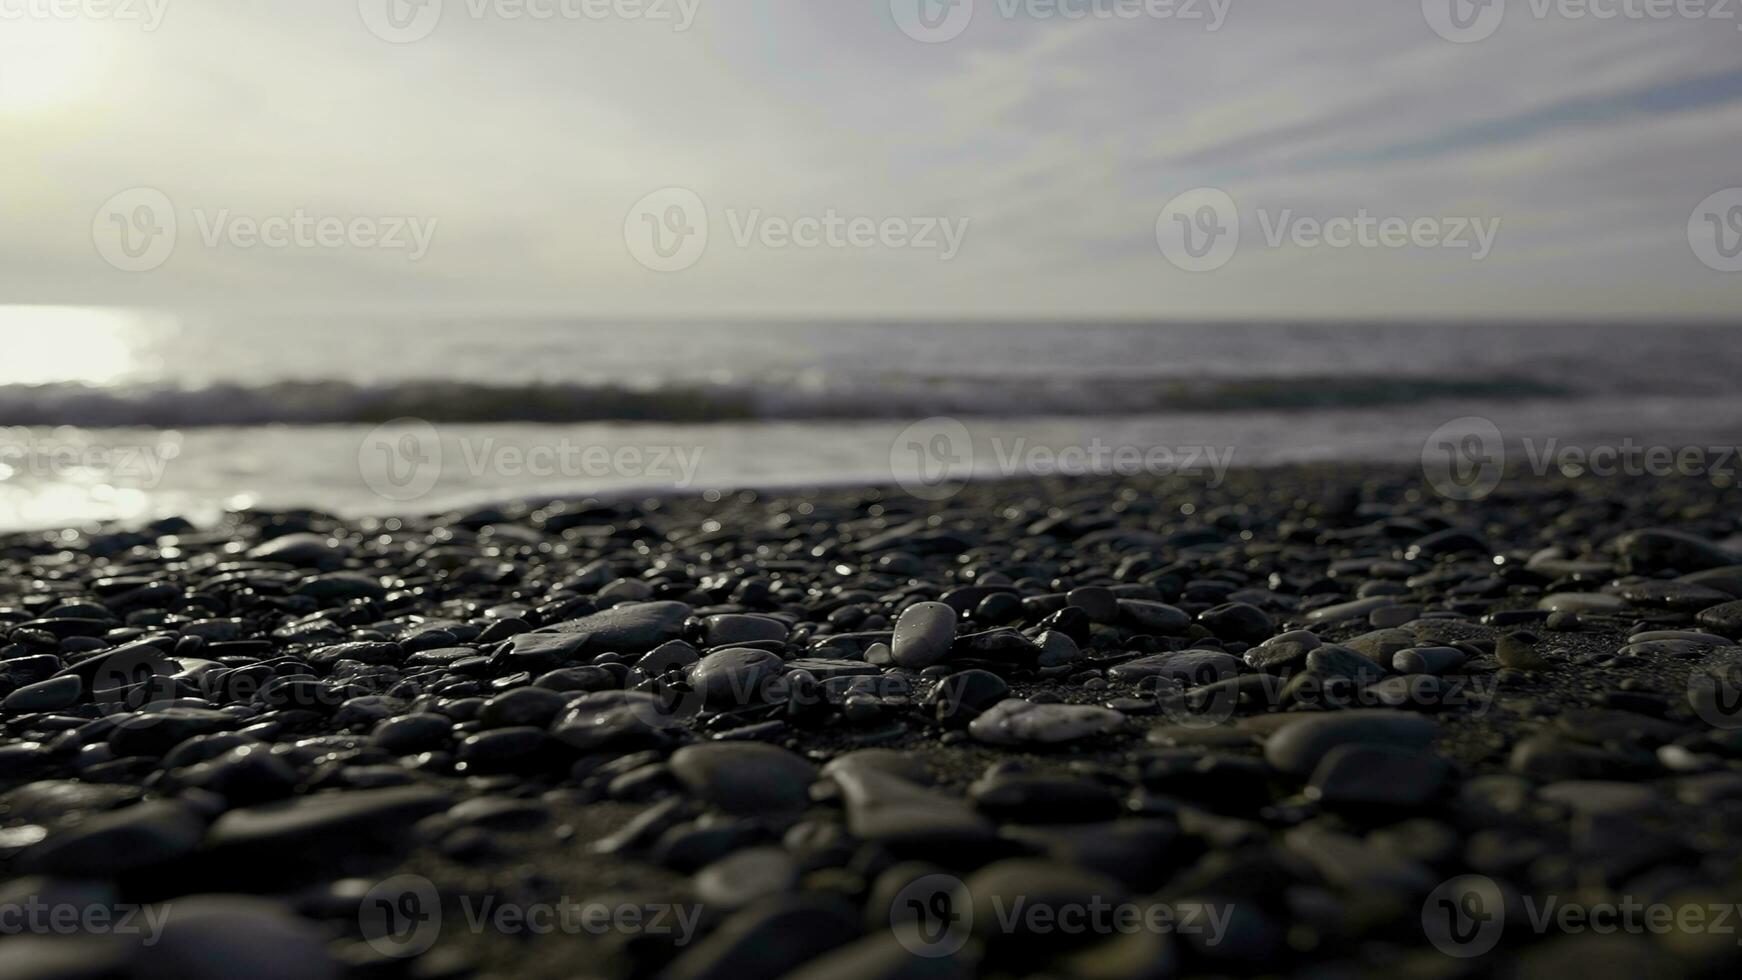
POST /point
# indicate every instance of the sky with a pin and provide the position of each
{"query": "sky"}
(870, 158)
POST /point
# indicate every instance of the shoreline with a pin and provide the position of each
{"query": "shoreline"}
(1309, 701)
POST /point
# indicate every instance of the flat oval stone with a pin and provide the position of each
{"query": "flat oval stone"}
(745, 777)
(1725, 618)
(736, 677)
(140, 836)
(924, 634)
(1157, 618)
(1298, 747)
(1582, 602)
(1343, 611)
(1192, 668)
(630, 628)
(1377, 775)
(50, 695)
(214, 937)
(1018, 722)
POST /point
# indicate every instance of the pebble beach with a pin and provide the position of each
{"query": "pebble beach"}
(1314, 721)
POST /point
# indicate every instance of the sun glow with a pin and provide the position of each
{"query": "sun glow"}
(69, 343)
(49, 64)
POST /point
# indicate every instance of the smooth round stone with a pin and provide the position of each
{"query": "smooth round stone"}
(1725, 618)
(1043, 889)
(1018, 722)
(243, 775)
(885, 808)
(303, 549)
(1157, 618)
(1283, 652)
(1336, 661)
(1377, 775)
(155, 732)
(924, 633)
(1057, 649)
(960, 698)
(323, 820)
(903, 765)
(737, 677)
(1298, 747)
(49, 695)
(615, 720)
(1597, 796)
(1099, 602)
(413, 733)
(1427, 660)
(1344, 611)
(535, 706)
(630, 628)
(216, 937)
(1669, 595)
(1380, 645)
(500, 748)
(745, 777)
(1238, 621)
(746, 877)
(1657, 549)
(569, 680)
(140, 836)
(1030, 798)
(1192, 668)
(733, 629)
(1393, 616)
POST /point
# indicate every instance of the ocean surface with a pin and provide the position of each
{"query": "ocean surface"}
(131, 414)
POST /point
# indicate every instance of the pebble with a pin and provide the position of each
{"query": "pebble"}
(1427, 660)
(1377, 775)
(960, 698)
(1158, 618)
(1298, 747)
(631, 628)
(145, 835)
(49, 695)
(924, 633)
(216, 937)
(736, 677)
(1018, 722)
(744, 777)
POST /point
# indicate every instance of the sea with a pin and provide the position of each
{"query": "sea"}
(130, 415)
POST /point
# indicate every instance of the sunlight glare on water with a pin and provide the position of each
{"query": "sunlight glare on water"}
(91, 345)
